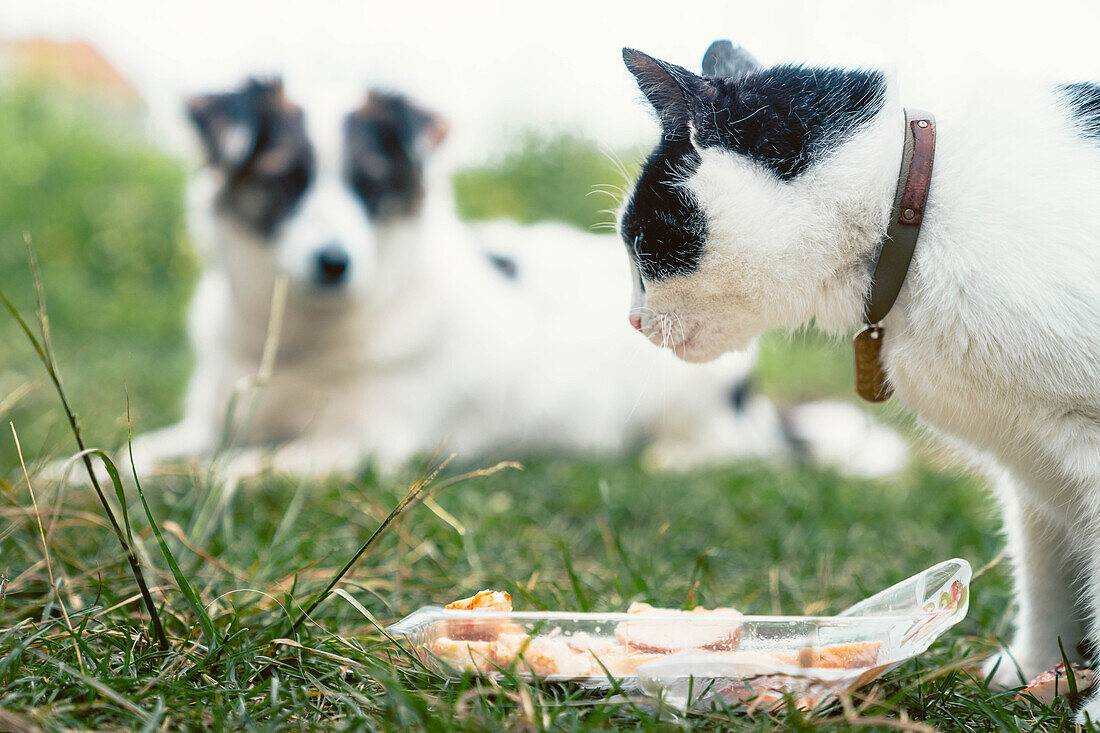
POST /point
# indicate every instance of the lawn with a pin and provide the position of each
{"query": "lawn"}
(77, 649)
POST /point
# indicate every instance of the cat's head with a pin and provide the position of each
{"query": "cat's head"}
(765, 195)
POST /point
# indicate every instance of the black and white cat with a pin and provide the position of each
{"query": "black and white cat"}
(764, 206)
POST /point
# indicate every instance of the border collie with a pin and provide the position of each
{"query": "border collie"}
(404, 330)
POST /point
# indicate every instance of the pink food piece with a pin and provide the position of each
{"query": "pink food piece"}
(657, 636)
(473, 656)
(852, 655)
(546, 657)
(1052, 683)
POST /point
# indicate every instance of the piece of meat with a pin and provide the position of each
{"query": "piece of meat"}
(506, 647)
(464, 655)
(488, 644)
(486, 629)
(486, 600)
(585, 642)
(620, 661)
(610, 656)
(1052, 683)
(545, 657)
(767, 692)
(683, 630)
(856, 654)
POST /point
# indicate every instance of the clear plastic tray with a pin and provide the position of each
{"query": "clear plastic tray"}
(692, 659)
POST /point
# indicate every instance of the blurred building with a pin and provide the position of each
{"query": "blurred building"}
(72, 66)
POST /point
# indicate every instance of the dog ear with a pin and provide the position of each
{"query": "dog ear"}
(675, 93)
(419, 130)
(431, 128)
(726, 61)
(229, 123)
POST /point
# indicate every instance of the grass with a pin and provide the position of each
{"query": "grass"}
(540, 176)
(231, 568)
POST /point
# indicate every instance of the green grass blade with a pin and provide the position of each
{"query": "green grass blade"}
(189, 594)
(45, 354)
(414, 493)
(575, 581)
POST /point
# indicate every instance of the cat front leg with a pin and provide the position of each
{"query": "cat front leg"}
(1090, 595)
(1046, 583)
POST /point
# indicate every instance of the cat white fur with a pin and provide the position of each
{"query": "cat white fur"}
(994, 339)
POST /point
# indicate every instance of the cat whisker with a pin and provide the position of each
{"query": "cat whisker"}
(612, 156)
(683, 335)
(610, 194)
(612, 186)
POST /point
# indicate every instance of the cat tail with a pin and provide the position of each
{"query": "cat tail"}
(840, 435)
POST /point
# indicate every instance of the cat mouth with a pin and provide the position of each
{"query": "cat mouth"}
(680, 343)
(695, 346)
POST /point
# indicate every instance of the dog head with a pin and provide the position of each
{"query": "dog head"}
(304, 190)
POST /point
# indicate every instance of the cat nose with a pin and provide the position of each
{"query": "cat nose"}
(636, 321)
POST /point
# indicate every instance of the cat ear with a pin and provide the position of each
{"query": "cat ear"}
(726, 61)
(674, 92)
(229, 123)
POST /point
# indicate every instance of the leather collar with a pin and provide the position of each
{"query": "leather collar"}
(896, 252)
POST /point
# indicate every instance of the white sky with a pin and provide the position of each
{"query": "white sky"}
(497, 66)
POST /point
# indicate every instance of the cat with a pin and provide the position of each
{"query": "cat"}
(764, 205)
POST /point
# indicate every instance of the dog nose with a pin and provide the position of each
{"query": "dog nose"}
(636, 321)
(332, 264)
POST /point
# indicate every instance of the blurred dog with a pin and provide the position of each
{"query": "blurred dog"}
(403, 329)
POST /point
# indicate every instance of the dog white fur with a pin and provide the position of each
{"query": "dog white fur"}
(994, 340)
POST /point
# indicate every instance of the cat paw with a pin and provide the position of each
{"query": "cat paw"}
(1089, 714)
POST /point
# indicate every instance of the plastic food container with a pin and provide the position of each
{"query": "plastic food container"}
(693, 659)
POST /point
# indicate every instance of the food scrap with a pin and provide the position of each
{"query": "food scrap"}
(1054, 682)
(834, 656)
(486, 600)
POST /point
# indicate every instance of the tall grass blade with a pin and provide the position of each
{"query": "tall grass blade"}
(45, 354)
(575, 581)
(417, 493)
(189, 594)
(407, 501)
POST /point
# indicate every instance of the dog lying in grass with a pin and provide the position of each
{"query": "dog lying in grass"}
(402, 329)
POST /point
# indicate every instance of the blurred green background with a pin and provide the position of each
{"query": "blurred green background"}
(103, 210)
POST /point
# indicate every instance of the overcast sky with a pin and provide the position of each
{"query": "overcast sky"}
(496, 66)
